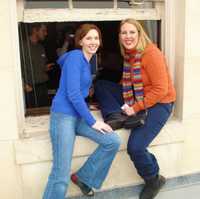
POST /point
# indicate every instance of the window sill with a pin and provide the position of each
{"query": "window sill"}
(35, 144)
(36, 126)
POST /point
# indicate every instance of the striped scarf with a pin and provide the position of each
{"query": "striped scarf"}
(132, 78)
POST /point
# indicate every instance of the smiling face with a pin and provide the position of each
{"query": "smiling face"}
(128, 36)
(90, 43)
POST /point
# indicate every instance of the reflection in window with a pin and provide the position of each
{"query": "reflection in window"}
(93, 4)
(34, 4)
(87, 4)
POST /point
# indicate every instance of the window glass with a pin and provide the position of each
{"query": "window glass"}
(93, 4)
(88, 4)
(33, 4)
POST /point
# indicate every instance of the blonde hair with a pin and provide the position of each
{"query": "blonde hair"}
(143, 39)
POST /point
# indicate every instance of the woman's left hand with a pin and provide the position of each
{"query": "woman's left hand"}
(128, 110)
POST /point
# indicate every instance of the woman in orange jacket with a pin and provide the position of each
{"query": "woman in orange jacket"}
(146, 85)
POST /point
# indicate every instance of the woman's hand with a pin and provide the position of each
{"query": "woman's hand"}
(102, 127)
(128, 110)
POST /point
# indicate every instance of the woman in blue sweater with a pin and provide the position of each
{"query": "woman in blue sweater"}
(70, 116)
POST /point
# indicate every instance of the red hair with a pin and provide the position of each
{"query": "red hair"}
(83, 30)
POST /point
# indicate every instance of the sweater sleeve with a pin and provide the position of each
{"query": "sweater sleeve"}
(156, 70)
(72, 73)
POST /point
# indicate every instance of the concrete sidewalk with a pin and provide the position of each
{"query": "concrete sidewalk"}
(184, 187)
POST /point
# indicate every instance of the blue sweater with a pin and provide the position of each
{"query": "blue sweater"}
(74, 85)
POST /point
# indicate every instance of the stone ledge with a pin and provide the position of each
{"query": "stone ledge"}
(36, 146)
(121, 174)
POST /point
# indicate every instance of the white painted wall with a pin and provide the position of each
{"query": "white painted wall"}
(20, 8)
(192, 60)
(10, 179)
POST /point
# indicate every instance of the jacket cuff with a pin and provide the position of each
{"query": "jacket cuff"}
(138, 106)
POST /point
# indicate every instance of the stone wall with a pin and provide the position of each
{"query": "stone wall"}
(25, 163)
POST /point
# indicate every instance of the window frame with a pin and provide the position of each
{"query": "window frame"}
(163, 11)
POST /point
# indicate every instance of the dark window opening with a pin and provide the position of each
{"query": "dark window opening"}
(39, 52)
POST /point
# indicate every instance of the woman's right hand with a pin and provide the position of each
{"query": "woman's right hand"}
(102, 127)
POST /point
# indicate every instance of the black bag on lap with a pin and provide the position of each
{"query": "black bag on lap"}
(135, 121)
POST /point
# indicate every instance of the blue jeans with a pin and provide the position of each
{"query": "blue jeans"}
(109, 96)
(63, 130)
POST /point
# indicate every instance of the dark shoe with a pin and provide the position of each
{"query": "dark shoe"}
(86, 190)
(116, 120)
(152, 187)
(135, 121)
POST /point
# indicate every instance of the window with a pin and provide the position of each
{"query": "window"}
(34, 4)
(38, 60)
(63, 22)
(90, 3)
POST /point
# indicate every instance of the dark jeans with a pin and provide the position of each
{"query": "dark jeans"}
(109, 96)
(38, 97)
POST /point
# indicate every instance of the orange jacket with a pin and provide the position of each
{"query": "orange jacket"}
(158, 87)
